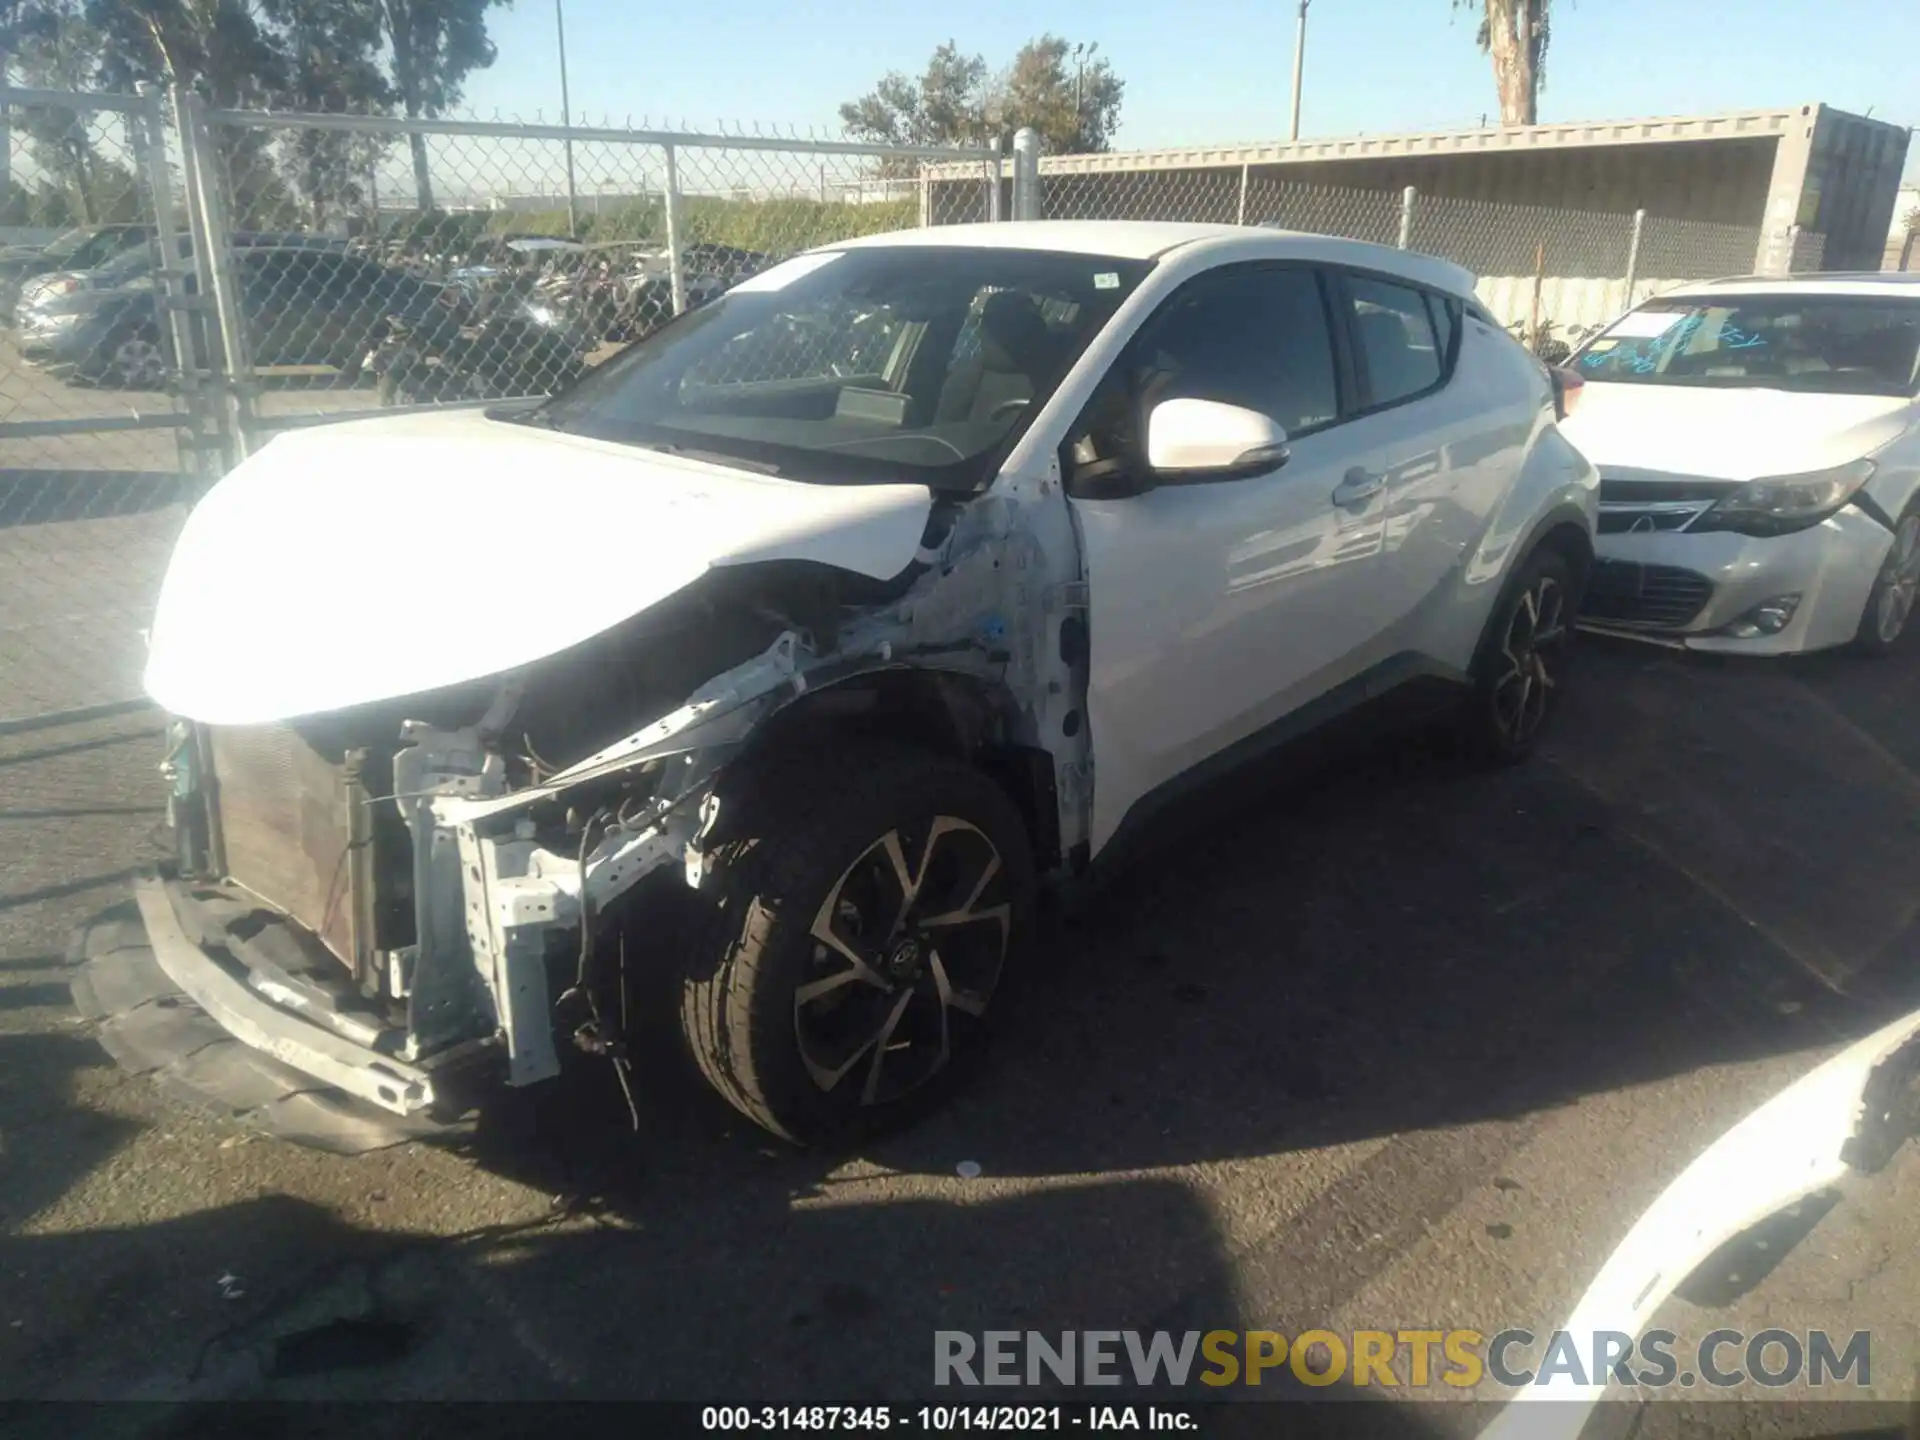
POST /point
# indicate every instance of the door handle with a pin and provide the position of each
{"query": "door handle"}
(1357, 486)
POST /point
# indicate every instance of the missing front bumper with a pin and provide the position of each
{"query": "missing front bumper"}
(354, 1067)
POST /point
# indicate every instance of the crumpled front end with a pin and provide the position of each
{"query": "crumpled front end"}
(382, 896)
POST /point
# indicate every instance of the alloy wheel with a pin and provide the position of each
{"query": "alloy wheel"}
(1899, 581)
(138, 363)
(1529, 652)
(908, 943)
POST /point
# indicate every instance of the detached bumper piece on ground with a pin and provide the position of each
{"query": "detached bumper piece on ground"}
(202, 1027)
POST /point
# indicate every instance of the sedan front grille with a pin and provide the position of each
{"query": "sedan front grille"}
(1645, 507)
(1653, 597)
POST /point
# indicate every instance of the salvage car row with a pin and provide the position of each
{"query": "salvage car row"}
(517, 316)
(918, 574)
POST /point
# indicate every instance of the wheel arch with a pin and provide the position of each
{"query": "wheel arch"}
(945, 712)
(1566, 531)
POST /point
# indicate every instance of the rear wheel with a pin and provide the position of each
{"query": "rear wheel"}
(866, 925)
(1890, 603)
(1521, 665)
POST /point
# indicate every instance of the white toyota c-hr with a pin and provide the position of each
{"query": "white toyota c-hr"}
(1759, 450)
(794, 646)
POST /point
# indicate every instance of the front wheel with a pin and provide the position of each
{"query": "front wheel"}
(865, 928)
(1890, 603)
(1521, 664)
(129, 360)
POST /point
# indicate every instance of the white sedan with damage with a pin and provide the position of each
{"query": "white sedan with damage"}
(768, 671)
(1759, 451)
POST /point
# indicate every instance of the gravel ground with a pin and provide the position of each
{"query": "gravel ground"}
(1397, 1045)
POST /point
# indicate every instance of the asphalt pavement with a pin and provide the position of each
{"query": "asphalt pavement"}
(1395, 1045)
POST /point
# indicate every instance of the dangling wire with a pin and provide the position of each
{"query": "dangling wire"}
(592, 1036)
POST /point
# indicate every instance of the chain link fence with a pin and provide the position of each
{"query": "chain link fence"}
(1550, 274)
(488, 261)
(217, 276)
(97, 449)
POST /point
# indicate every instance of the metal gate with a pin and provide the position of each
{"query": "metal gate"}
(101, 444)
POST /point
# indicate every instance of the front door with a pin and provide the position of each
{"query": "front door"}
(1217, 609)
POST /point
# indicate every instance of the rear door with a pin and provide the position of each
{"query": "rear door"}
(1434, 442)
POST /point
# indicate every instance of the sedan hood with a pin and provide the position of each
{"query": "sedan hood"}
(350, 563)
(1727, 434)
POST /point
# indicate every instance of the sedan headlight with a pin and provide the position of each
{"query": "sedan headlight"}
(1782, 504)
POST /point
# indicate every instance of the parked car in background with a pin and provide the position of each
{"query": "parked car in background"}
(1759, 447)
(80, 249)
(901, 575)
(136, 264)
(302, 305)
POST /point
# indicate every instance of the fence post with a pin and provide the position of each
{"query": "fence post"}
(1633, 255)
(1793, 248)
(1240, 210)
(926, 194)
(1026, 173)
(1406, 216)
(995, 173)
(232, 368)
(676, 264)
(176, 330)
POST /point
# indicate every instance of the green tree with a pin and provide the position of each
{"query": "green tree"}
(333, 65)
(435, 45)
(1071, 98)
(228, 53)
(19, 20)
(1515, 33)
(56, 49)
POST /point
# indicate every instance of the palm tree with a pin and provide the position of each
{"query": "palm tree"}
(1515, 34)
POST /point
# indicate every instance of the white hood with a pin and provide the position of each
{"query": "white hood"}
(348, 563)
(1727, 434)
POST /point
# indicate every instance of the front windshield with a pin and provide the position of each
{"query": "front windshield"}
(1832, 344)
(909, 362)
(128, 265)
(66, 243)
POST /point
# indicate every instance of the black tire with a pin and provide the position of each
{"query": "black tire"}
(1519, 668)
(106, 365)
(1887, 617)
(811, 852)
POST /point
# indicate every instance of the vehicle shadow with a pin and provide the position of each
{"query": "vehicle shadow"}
(1402, 944)
(41, 497)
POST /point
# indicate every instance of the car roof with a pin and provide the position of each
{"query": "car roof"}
(1888, 284)
(1155, 239)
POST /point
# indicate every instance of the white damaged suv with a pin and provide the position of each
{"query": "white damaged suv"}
(797, 645)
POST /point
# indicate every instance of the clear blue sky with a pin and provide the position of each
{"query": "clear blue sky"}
(1208, 71)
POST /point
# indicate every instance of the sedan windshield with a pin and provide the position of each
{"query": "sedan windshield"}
(909, 362)
(1831, 344)
(66, 243)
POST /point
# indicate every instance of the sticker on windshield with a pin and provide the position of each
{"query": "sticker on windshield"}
(786, 272)
(1645, 324)
(1107, 280)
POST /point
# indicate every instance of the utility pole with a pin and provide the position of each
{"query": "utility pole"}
(566, 118)
(1082, 53)
(1299, 68)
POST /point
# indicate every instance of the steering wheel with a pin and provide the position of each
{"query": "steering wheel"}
(1008, 408)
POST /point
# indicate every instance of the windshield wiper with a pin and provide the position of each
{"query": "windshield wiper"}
(538, 415)
(712, 457)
